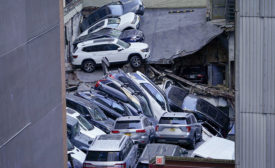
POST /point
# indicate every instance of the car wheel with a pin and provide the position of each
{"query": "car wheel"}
(193, 143)
(88, 66)
(135, 61)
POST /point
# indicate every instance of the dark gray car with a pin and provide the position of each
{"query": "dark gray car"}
(215, 120)
(139, 128)
(90, 111)
(179, 128)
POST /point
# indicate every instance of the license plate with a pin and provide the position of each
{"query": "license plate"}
(192, 76)
(128, 134)
(172, 129)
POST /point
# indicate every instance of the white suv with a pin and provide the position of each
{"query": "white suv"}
(124, 22)
(90, 53)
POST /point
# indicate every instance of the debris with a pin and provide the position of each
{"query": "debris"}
(197, 88)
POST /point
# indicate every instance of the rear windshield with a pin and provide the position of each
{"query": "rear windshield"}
(173, 120)
(128, 125)
(103, 156)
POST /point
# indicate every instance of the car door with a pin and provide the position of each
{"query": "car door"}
(94, 52)
(198, 126)
(113, 54)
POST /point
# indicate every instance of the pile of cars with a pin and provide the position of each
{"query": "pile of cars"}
(112, 32)
(126, 115)
(124, 112)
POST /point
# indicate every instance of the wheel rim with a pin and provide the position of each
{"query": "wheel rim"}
(136, 61)
(89, 66)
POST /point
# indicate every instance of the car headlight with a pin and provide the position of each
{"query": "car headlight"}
(145, 50)
(135, 19)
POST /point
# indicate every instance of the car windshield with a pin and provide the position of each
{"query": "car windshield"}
(85, 123)
(123, 44)
(103, 156)
(70, 147)
(173, 120)
(134, 124)
(98, 115)
(97, 26)
(113, 21)
(155, 94)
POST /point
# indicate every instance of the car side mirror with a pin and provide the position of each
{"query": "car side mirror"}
(119, 49)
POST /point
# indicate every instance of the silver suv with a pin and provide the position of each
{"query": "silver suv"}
(111, 151)
(181, 128)
(139, 128)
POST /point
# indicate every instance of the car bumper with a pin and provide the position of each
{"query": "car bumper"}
(143, 140)
(185, 141)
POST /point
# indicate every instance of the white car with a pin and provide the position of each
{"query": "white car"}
(124, 22)
(77, 155)
(90, 53)
(157, 99)
(85, 127)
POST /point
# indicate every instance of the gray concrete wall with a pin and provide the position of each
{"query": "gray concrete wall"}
(255, 84)
(155, 3)
(31, 127)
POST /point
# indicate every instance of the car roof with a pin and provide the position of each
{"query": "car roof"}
(80, 100)
(102, 142)
(71, 121)
(98, 41)
(153, 150)
(71, 112)
(176, 114)
(127, 118)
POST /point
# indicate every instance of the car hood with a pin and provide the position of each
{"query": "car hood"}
(78, 155)
(127, 18)
(130, 33)
(83, 140)
(140, 46)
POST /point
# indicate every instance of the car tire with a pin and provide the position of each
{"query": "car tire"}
(193, 143)
(135, 61)
(88, 66)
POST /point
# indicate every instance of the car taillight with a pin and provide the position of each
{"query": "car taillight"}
(88, 165)
(98, 82)
(111, 76)
(157, 128)
(200, 76)
(115, 131)
(188, 128)
(75, 56)
(141, 131)
(123, 165)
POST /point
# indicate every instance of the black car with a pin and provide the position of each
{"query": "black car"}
(214, 119)
(117, 90)
(112, 108)
(195, 74)
(131, 35)
(113, 10)
(90, 111)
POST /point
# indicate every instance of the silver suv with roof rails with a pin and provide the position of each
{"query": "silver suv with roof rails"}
(90, 53)
(139, 128)
(111, 151)
(179, 128)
